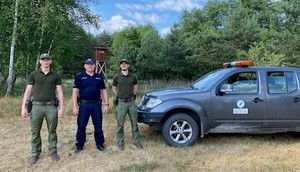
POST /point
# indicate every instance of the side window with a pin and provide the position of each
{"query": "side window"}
(291, 82)
(244, 82)
(281, 82)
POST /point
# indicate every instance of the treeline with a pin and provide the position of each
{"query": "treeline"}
(267, 31)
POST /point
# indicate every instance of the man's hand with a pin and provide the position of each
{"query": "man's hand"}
(24, 112)
(106, 108)
(60, 112)
(75, 111)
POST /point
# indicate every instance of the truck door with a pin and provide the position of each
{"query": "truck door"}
(241, 110)
(283, 100)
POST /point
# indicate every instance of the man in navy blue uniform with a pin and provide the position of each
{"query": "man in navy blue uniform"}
(91, 89)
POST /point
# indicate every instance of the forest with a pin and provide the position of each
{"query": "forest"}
(266, 31)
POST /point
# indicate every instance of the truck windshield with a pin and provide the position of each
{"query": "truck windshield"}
(207, 81)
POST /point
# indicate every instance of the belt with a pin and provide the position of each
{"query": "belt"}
(89, 101)
(126, 100)
(43, 103)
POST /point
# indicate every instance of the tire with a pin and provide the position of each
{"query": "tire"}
(180, 130)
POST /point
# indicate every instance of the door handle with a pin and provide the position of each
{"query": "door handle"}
(296, 99)
(256, 100)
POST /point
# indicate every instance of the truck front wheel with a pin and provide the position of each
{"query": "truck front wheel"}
(180, 130)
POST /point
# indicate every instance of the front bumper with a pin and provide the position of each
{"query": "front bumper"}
(148, 117)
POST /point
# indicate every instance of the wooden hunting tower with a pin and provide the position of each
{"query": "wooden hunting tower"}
(101, 61)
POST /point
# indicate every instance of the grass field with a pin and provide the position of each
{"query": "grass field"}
(214, 152)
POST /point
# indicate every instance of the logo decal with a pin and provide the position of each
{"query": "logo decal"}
(240, 110)
(240, 103)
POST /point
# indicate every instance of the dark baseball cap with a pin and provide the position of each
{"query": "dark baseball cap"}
(124, 60)
(89, 61)
(45, 56)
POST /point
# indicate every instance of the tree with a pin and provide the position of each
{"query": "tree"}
(6, 25)
(126, 44)
(261, 56)
(40, 26)
(201, 32)
(174, 56)
(104, 39)
(149, 60)
(289, 32)
(10, 79)
(217, 32)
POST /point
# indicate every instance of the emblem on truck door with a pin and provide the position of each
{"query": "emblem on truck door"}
(240, 110)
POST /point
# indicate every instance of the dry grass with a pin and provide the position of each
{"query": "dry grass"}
(215, 152)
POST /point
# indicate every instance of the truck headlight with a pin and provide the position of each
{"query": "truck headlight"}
(152, 102)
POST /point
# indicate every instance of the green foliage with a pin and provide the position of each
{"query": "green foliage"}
(175, 52)
(266, 31)
(19, 88)
(221, 31)
(150, 55)
(262, 56)
(126, 44)
(44, 26)
(288, 31)
(104, 39)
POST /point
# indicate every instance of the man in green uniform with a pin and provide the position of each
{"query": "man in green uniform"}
(42, 85)
(125, 87)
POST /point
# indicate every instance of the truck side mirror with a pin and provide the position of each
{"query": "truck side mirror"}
(225, 88)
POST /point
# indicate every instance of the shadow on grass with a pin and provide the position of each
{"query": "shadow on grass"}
(227, 138)
(143, 166)
(221, 138)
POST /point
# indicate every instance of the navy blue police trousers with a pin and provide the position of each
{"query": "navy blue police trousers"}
(85, 111)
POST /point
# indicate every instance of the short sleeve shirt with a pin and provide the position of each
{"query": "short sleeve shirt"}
(89, 86)
(125, 84)
(44, 86)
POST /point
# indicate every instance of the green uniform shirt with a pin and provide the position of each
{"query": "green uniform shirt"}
(44, 86)
(125, 85)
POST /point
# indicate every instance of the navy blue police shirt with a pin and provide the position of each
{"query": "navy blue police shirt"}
(89, 86)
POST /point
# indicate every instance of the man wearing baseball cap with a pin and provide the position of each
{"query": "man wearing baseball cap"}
(89, 61)
(45, 86)
(125, 87)
(45, 56)
(90, 88)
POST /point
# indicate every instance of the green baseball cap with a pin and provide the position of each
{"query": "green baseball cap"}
(124, 60)
(45, 56)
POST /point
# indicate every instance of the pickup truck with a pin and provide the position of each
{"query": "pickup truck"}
(245, 99)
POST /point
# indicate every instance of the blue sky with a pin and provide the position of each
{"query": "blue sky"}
(162, 14)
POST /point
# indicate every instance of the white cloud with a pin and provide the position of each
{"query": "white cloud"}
(165, 31)
(92, 30)
(173, 5)
(153, 18)
(145, 18)
(177, 5)
(116, 23)
(158, 8)
(144, 12)
(136, 15)
(138, 7)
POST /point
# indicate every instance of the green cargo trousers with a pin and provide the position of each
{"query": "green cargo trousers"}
(122, 109)
(38, 113)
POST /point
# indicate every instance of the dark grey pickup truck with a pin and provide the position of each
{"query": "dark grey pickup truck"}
(228, 100)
